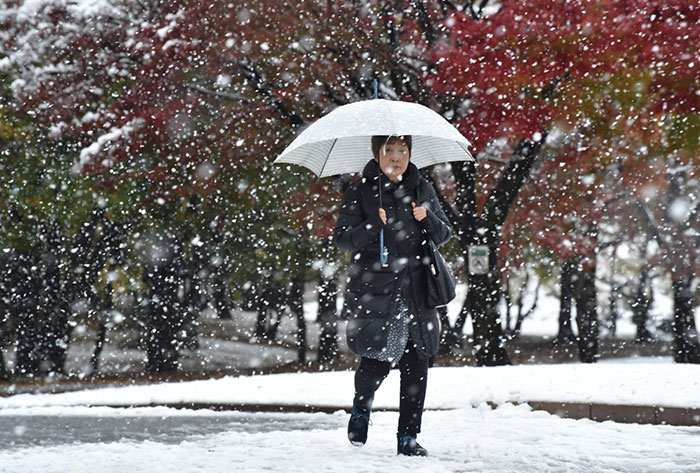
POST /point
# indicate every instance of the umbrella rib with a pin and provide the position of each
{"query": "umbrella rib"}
(327, 157)
(466, 149)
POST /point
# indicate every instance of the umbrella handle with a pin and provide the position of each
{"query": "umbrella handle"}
(383, 251)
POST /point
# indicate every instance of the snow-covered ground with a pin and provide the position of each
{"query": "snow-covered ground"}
(505, 440)
(643, 381)
(58, 433)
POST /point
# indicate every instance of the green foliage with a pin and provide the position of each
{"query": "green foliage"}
(37, 185)
(684, 133)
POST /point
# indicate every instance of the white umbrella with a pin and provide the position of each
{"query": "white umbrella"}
(339, 142)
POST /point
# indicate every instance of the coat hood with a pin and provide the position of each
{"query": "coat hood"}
(410, 180)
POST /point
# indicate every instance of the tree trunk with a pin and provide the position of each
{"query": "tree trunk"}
(218, 275)
(489, 346)
(449, 340)
(103, 316)
(522, 312)
(614, 313)
(81, 253)
(56, 331)
(489, 340)
(485, 229)
(327, 318)
(5, 307)
(3, 372)
(192, 304)
(454, 333)
(260, 319)
(220, 300)
(685, 336)
(192, 266)
(586, 313)
(164, 311)
(27, 358)
(615, 291)
(640, 308)
(509, 308)
(99, 345)
(271, 304)
(4, 336)
(298, 309)
(27, 287)
(683, 255)
(297, 296)
(161, 350)
(566, 333)
(87, 254)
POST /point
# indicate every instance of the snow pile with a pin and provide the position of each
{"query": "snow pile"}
(654, 383)
(58, 433)
(506, 440)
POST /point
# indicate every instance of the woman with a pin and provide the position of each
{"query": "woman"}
(390, 322)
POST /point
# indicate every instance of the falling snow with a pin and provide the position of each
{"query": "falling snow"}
(145, 233)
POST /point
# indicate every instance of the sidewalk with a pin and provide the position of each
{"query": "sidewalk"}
(646, 391)
(627, 414)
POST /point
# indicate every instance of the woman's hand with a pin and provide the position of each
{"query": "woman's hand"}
(382, 215)
(419, 213)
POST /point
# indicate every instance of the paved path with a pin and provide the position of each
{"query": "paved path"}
(43, 429)
(599, 412)
(510, 439)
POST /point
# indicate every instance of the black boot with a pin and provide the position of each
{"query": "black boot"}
(358, 425)
(407, 445)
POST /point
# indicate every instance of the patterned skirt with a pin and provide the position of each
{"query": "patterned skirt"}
(397, 326)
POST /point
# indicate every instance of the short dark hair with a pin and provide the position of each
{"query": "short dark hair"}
(379, 140)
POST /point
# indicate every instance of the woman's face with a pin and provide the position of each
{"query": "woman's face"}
(393, 159)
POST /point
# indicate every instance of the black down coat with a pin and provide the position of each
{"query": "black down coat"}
(372, 290)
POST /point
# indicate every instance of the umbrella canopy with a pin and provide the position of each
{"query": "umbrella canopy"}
(339, 142)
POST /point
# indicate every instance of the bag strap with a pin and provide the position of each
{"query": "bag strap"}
(429, 244)
(424, 231)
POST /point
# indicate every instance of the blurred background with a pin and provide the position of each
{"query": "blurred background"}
(144, 232)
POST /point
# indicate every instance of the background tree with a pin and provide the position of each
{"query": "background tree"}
(154, 125)
(529, 68)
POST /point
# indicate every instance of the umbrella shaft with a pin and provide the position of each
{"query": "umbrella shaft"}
(383, 252)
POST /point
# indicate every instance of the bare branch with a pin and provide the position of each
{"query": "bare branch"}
(651, 223)
(217, 94)
(452, 215)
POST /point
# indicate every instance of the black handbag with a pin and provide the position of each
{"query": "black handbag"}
(440, 280)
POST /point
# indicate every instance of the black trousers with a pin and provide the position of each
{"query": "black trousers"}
(414, 379)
